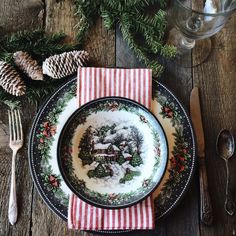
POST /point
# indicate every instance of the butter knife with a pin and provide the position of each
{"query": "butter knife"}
(206, 215)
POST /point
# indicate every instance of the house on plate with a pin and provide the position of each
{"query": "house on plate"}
(105, 152)
(127, 156)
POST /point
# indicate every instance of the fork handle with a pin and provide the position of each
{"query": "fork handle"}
(12, 210)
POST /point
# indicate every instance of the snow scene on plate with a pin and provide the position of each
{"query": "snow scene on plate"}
(116, 151)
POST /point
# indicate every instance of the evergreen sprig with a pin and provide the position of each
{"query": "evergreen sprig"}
(36, 43)
(9, 100)
(40, 46)
(142, 23)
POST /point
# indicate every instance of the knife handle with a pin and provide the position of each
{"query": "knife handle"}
(205, 201)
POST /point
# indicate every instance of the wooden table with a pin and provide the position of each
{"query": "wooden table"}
(216, 79)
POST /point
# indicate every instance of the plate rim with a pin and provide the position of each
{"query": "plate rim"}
(71, 117)
(194, 164)
(59, 213)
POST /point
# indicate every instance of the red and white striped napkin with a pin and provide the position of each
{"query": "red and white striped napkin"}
(94, 83)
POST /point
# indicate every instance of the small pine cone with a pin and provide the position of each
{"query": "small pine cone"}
(28, 65)
(10, 80)
(62, 65)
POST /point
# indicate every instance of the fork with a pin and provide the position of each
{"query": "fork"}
(15, 143)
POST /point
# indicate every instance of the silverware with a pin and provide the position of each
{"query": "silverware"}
(15, 143)
(205, 201)
(225, 147)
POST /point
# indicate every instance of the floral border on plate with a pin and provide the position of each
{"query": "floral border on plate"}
(181, 161)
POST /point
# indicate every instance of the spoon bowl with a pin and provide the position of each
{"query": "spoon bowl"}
(225, 144)
(225, 147)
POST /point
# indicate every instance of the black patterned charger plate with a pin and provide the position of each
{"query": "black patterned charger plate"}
(50, 120)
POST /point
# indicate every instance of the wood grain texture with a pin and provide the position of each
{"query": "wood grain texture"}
(216, 80)
(184, 220)
(100, 45)
(20, 15)
(13, 18)
(124, 55)
(23, 180)
(59, 16)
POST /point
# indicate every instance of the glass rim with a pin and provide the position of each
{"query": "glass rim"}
(207, 14)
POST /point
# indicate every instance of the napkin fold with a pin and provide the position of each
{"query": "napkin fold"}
(93, 83)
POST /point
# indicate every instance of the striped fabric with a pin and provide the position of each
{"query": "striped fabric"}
(101, 82)
(84, 216)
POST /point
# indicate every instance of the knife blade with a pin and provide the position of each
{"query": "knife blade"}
(206, 214)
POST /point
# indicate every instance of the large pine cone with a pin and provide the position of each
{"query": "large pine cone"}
(28, 65)
(62, 65)
(10, 80)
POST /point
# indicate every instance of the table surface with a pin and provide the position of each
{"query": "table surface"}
(215, 78)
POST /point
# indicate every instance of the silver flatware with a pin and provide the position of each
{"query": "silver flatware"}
(225, 146)
(206, 214)
(15, 143)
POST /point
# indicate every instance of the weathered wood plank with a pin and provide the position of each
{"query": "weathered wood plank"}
(184, 220)
(124, 55)
(60, 17)
(101, 46)
(20, 15)
(13, 17)
(23, 179)
(216, 80)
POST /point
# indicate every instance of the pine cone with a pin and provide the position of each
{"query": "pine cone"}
(10, 80)
(28, 65)
(62, 65)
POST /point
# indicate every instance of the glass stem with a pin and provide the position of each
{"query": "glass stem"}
(187, 43)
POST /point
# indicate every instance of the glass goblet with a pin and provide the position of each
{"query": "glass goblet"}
(197, 19)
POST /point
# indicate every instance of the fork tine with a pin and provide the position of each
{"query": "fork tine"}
(10, 124)
(20, 125)
(17, 125)
(13, 126)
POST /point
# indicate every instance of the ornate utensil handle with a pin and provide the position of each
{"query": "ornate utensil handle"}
(229, 203)
(205, 201)
(12, 210)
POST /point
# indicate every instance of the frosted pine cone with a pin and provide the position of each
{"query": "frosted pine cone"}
(28, 65)
(67, 63)
(10, 80)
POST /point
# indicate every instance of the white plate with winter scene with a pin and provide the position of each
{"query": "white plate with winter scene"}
(112, 152)
(58, 108)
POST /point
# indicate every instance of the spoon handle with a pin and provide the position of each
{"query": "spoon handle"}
(206, 214)
(229, 203)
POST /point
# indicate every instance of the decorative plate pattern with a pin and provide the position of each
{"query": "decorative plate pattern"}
(118, 152)
(51, 119)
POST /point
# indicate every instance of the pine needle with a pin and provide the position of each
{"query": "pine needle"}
(137, 19)
(40, 46)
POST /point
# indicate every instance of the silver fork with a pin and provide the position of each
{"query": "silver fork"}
(15, 143)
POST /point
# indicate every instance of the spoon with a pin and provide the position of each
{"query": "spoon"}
(225, 148)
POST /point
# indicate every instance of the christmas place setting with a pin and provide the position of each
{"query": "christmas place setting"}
(117, 117)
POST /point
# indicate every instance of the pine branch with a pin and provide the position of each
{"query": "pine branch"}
(39, 90)
(36, 43)
(139, 20)
(40, 46)
(87, 11)
(9, 100)
(140, 51)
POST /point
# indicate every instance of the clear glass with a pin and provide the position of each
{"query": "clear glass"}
(197, 19)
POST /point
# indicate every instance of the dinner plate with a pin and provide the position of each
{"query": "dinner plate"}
(60, 106)
(112, 152)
